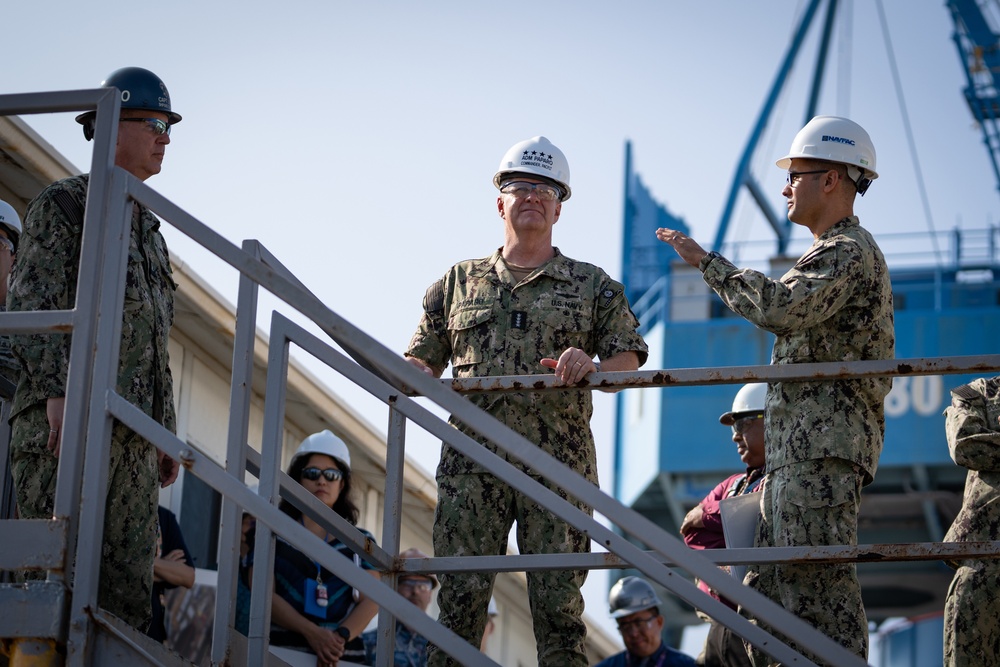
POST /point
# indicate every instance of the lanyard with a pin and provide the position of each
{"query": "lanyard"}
(322, 596)
(746, 484)
(659, 661)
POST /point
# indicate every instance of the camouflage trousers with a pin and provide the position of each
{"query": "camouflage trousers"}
(474, 516)
(971, 628)
(812, 503)
(130, 521)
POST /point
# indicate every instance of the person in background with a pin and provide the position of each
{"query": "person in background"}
(10, 232)
(44, 277)
(411, 647)
(824, 437)
(971, 610)
(525, 308)
(241, 621)
(313, 611)
(636, 607)
(173, 567)
(702, 527)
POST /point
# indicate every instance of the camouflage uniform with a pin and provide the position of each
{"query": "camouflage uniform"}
(971, 628)
(9, 368)
(823, 439)
(479, 318)
(44, 278)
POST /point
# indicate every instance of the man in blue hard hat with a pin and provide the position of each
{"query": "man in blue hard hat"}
(44, 277)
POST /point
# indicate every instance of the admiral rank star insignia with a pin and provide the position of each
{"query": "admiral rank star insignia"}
(536, 159)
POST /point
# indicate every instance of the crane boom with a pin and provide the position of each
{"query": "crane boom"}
(979, 50)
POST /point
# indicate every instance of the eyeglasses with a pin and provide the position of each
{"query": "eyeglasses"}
(637, 625)
(522, 189)
(331, 474)
(155, 125)
(419, 585)
(743, 424)
(793, 177)
(7, 243)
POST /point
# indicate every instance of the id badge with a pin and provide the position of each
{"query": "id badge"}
(311, 607)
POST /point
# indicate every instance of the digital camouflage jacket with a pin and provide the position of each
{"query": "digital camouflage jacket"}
(44, 277)
(835, 304)
(482, 321)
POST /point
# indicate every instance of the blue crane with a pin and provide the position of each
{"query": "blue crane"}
(979, 50)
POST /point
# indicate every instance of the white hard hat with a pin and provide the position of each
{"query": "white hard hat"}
(836, 139)
(327, 443)
(749, 399)
(10, 220)
(536, 157)
(631, 594)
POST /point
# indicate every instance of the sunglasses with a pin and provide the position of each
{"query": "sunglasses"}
(155, 125)
(331, 474)
(420, 585)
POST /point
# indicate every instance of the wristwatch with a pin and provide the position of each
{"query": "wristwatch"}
(343, 632)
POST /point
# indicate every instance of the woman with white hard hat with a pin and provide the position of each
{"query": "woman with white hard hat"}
(313, 611)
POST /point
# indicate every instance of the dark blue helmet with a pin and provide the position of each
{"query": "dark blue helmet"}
(140, 89)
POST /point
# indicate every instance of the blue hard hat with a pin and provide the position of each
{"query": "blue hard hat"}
(140, 89)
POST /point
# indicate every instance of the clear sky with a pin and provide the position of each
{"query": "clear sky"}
(358, 140)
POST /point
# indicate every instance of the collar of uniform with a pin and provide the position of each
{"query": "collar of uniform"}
(841, 225)
(150, 222)
(484, 268)
(557, 267)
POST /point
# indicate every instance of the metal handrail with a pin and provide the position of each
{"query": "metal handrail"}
(385, 375)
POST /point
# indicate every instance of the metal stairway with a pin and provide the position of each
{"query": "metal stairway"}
(69, 614)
